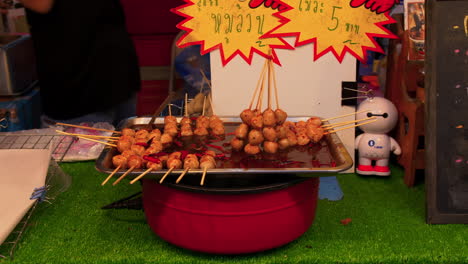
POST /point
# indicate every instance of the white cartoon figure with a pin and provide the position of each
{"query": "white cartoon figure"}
(374, 144)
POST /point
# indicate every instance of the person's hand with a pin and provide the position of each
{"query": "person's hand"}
(377, 6)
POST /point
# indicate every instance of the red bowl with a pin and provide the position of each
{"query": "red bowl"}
(230, 223)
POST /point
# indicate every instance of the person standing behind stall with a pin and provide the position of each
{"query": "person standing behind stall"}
(87, 65)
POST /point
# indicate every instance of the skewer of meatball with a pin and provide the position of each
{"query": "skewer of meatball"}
(190, 162)
(207, 161)
(133, 162)
(173, 162)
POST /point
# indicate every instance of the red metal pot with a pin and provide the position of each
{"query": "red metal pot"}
(231, 222)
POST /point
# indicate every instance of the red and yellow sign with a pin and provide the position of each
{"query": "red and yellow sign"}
(233, 26)
(245, 27)
(334, 26)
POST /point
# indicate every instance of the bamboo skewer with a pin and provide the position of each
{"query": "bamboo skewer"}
(269, 84)
(165, 175)
(262, 74)
(141, 175)
(202, 182)
(89, 136)
(110, 175)
(260, 95)
(205, 78)
(182, 175)
(274, 83)
(186, 103)
(123, 176)
(90, 128)
(336, 117)
(170, 109)
(102, 142)
(336, 130)
(330, 126)
(204, 105)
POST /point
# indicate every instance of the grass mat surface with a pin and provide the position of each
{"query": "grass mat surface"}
(388, 226)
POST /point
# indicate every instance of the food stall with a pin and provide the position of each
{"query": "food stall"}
(241, 183)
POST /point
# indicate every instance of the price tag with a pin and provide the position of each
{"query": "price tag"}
(233, 26)
(335, 26)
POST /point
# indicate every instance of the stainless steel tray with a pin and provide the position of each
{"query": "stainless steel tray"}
(327, 157)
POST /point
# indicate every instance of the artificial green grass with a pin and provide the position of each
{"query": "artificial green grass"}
(388, 226)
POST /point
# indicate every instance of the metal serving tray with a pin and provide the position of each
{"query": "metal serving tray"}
(327, 157)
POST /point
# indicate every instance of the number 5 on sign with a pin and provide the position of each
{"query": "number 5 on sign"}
(334, 26)
(335, 18)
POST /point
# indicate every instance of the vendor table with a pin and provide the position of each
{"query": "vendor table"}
(387, 225)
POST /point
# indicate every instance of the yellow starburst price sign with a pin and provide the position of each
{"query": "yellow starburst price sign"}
(232, 26)
(334, 26)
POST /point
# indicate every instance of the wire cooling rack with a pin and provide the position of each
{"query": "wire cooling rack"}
(59, 144)
(56, 180)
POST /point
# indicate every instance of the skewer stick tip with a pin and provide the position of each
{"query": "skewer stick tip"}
(165, 175)
(182, 175)
(202, 182)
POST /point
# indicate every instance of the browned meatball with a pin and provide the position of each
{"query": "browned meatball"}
(237, 144)
(135, 161)
(129, 138)
(185, 120)
(119, 160)
(301, 124)
(246, 116)
(269, 118)
(302, 139)
(203, 121)
(141, 140)
(218, 130)
(282, 131)
(128, 132)
(123, 145)
(201, 131)
(207, 158)
(157, 145)
(269, 133)
(142, 133)
(127, 153)
(257, 122)
(255, 137)
(241, 131)
(283, 143)
(281, 116)
(314, 121)
(214, 121)
(139, 150)
(151, 150)
(270, 147)
(170, 119)
(251, 149)
(171, 130)
(174, 163)
(191, 163)
(191, 156)
(186, 132)
(207, 165)
(166, 139)
(315, 133)
(292, 138)
(154, 165)
(155, 134)
(175, 155)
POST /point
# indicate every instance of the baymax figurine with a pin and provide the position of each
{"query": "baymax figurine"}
(374, 144)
